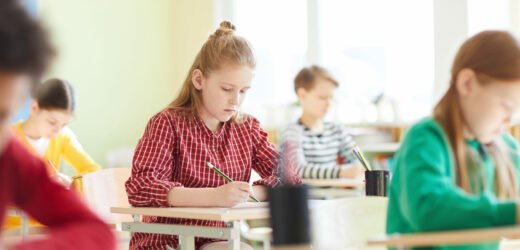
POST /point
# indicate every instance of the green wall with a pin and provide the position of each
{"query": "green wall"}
(126, 60)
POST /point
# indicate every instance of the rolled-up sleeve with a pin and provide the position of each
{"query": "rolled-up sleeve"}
(153, 165)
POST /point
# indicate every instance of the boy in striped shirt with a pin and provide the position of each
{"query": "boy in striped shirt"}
(321, 150)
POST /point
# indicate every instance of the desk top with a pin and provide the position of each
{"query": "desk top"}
(210, 213)
(339, 183)
(12, 211)
(247, 211)
(448, 237)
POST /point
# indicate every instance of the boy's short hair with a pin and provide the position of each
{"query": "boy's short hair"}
(307, 76)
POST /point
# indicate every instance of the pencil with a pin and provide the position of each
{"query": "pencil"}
(361, 158)
(52, 167)
(216, 170)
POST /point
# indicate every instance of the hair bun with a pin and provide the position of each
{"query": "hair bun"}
(226, 28)
(227, 25)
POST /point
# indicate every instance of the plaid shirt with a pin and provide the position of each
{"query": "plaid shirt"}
(173, 153)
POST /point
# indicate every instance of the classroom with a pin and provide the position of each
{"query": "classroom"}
(259, 125)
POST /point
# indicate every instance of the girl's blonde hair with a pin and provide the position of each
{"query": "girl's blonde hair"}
(492, 55)
(222, 47)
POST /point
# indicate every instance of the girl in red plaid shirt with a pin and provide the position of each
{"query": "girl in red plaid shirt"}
(203, 124)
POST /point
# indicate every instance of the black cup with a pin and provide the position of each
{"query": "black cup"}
(289, 215)
(376, 182)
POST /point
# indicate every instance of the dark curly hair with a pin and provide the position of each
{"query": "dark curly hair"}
(24, 46)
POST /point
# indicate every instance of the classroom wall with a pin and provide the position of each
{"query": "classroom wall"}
(126, 59)
(450, 31)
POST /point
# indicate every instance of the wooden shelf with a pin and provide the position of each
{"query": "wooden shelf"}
(377, 124)
(338, 183)
(389, 147)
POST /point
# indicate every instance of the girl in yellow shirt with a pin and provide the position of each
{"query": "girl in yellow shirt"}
(46, 134)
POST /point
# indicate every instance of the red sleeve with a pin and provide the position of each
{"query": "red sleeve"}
(70, 224)
(265, 159)
(152, 166)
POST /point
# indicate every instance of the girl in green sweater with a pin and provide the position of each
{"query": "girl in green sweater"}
(460, 168)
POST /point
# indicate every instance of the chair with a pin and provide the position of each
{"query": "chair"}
(105, 189)
(120, 157)
(349, 222)
(262, 234)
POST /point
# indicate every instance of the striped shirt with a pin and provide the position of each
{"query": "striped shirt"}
(318, 156)
(173, 153)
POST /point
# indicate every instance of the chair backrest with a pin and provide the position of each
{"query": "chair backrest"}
(105, 189)
(348, 223)
(120, 157)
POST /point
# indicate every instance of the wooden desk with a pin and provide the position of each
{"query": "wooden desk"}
(24, 227)
(334, 188)
(186, 233)
(456, 237)
(337, 183)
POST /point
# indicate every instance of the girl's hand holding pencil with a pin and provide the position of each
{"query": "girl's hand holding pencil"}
(59, 177)
(232, 193)
(63, 179)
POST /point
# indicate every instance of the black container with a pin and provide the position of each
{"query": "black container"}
(289, 210)
(376, 182)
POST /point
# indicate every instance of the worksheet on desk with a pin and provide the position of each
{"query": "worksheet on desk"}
(252, 204)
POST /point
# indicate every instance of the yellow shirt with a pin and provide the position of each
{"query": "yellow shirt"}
(64, 145)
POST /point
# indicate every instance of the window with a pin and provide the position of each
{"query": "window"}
(372, 47)
(279, 37)
(483, 15)
(379, 47)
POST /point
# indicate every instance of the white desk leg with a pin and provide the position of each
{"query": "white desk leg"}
(267, 244)
(137, 218)
(234, 240)
(186, 242)
(25, 226)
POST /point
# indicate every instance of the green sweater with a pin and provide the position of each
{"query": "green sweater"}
(423, 194)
